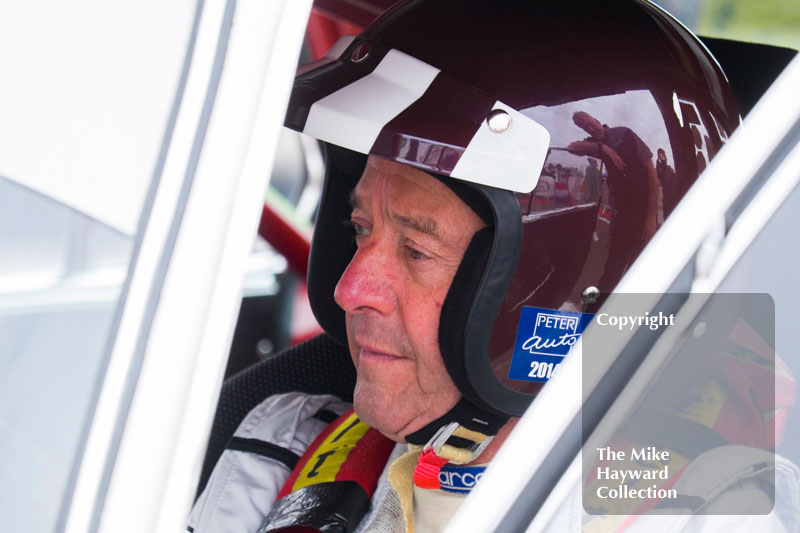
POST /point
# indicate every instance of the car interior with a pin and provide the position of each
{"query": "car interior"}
(269, 357)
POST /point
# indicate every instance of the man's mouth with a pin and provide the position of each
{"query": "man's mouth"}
(377, 354)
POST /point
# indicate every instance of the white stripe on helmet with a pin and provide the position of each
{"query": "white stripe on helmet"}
(353, 116)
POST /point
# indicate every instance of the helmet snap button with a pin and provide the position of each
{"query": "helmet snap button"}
(498, 120)
(590, 295)
(360, 53)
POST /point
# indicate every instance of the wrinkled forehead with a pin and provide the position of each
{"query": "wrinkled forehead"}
(466, 192)
(400, 184)
(401, 181)
(402, 192)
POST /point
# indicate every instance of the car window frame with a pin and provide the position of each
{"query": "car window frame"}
(154, 411)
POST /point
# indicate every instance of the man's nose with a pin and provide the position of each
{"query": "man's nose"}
(367, 282)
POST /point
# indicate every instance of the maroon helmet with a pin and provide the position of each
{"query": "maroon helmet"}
(552, 111)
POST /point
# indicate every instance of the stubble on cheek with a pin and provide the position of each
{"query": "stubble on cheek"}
(386, 395)
(392, 372)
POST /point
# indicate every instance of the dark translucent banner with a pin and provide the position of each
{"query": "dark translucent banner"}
(697, 433)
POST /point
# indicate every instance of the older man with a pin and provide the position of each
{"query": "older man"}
(455, 308)
(411, 232)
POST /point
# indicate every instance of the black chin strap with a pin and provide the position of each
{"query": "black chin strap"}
(459, 437)
(466, 414)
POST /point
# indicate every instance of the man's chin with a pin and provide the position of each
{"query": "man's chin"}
(379, 414)
(393, 417)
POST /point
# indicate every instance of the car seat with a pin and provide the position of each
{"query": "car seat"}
(318, 366)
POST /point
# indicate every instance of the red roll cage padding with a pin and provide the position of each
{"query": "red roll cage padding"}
(357, 12)
(290, 242)
(323, 31)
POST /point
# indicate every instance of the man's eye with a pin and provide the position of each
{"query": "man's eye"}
(415, 254)
(357, 229)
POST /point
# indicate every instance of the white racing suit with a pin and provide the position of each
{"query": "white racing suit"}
(247, 479)
(250, 473)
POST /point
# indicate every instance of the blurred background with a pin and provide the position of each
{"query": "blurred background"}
(775, 22)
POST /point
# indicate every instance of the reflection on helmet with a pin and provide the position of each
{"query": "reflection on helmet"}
(581, 96)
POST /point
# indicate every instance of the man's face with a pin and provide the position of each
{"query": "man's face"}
(590, 125)
(411, 231)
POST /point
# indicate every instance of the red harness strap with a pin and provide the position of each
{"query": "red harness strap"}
(426, 474)
(333, 482)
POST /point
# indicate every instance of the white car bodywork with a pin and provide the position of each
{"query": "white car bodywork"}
(182, 173)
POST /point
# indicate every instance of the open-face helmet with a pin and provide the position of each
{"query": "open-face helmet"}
(553, 111)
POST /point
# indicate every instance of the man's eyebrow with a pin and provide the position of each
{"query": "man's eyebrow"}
(423, 224)
(354, 200)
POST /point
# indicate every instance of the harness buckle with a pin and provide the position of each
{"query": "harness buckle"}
(426, 474)
(445, 432)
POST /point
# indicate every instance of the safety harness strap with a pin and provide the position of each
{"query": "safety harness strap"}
(333, 482)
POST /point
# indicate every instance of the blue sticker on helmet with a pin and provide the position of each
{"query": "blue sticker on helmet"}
(544, 337)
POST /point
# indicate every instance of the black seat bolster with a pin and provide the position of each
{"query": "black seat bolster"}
(318, 366)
